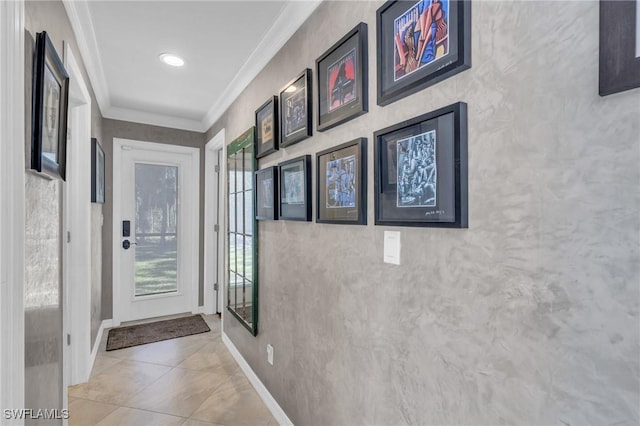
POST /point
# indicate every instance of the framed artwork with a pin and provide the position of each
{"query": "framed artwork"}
(49, 110)
(294, 185)
(295, 110)
(266, 184)
(267, 128)
(420, 43)
(97, 172)
(619, 46)
(342, 79)
(341, 183)
(421, 170)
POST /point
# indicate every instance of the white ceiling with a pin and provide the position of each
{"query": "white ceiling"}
(224, 44)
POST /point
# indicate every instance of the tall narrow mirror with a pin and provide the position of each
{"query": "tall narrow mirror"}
(242, 288)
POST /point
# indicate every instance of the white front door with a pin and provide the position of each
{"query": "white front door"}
(156, 227)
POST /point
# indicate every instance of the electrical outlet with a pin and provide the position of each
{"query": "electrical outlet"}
(270, 354)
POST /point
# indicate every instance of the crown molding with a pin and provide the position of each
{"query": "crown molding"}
(292, 17)
(153, 119)
(82, 25)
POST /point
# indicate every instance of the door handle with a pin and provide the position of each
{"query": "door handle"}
(126, 244)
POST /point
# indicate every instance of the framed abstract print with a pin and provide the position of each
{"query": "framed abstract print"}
(342, 79)
(295, 189)
(341, 184)
(267, 127)
(619, 46)
(421, 170)
(420, 43)
(97, 172)
(295, 110)
(266, 184)
(49, 113)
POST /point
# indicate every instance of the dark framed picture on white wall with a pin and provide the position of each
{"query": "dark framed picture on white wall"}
(49, 110)
(420, 43)
(295, 189)
(295, 110)
(342, 79)
(421, 170)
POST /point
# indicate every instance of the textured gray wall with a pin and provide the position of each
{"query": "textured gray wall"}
(43, 244)
(528, 317)
(142, 132)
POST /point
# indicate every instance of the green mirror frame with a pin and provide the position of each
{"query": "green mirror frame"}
(242, 278)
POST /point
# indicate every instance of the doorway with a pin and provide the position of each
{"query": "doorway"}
(215, 171)
(155, 258)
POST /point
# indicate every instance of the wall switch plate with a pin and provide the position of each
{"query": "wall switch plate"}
(392, 247)
(270, 354)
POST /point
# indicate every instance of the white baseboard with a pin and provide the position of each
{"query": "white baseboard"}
(96, 345)
(277, 412)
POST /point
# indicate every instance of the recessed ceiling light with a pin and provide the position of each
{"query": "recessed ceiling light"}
(173, 60)
(290, 89)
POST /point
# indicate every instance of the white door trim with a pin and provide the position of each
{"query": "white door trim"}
(191, 256)
(211, 197)
(12, 213)
(77, 221)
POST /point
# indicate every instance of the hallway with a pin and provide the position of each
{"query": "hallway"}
(189, 381)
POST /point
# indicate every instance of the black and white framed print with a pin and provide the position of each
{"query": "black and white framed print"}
(295, 110)
(267, 127)
(342, 79)
(49, 110)
(341, 184)
(295, 189)
(266, 185)
(421, 170)
(420, 43)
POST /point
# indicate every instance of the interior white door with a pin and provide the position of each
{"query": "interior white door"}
(157, 231)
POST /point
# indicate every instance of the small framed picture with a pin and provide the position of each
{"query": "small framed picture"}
(420, 43)
(341, 184)
(342, 79)
(97, 172)
(295, 189)
(267, 128)
(266, 184)
(295, 110)
(619, 46)
(421, 170)
(50, 103)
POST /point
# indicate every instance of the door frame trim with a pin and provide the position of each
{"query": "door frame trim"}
(192, 258)
(216, 143)
(12, 215)
(76, 216)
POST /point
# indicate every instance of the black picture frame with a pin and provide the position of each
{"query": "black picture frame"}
(398, 21)
(267, 127)
(341, 184)
(296, 110)
(49, 110)
(343, 79)
(294, 189)
(426, 183)
(619, 55)
(97, 172)
(266, 193)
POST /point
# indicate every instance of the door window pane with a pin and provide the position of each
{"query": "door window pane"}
(156, 234)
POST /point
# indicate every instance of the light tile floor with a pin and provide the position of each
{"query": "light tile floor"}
(189, 381)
